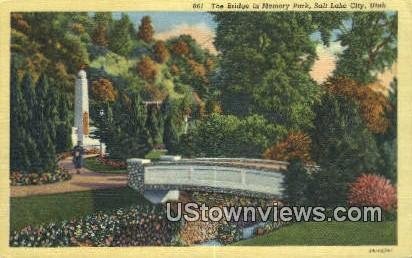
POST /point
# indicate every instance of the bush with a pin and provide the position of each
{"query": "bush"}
(230, 136)
(372, 190)
(17, 178)
(228, 233)
(135, 226)
(295, 146)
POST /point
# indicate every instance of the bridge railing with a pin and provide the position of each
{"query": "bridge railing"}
(209, 176)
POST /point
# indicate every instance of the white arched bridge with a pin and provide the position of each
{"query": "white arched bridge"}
(164, 179)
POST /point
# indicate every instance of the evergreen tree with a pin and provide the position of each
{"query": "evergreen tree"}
(19, 157)
(343, 148)
(44, 126)
(28, 125)
(152, 124)
(64, 126)
(170, 133)
(296, 183)
(128, 135)
(120, 38)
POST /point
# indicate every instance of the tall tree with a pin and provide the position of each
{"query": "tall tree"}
(64, 126)
(44, 126)
(120, 38)
(264, 71)
(101, 31)
(146, 30)
(28, 123)
(369, 40)
(19, 156)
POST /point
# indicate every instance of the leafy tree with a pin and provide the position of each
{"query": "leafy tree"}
(147, 69)
(102, 21)
(263, 71)
(161, 53)
(369, 40)
(146, 30)
(102, 90)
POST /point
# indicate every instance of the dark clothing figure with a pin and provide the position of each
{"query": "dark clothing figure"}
(78, 156)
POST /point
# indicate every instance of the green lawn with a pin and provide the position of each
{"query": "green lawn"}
(94, 165)
(329, 233)
(34, 210)
(155, 154)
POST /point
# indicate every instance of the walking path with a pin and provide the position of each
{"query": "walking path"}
(86, 180)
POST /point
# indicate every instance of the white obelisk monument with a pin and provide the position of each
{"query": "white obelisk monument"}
(81, 107)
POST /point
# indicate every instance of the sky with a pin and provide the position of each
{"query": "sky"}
(201, 26)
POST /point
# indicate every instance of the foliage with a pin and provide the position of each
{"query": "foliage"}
(147, 69)
(120, 37)
(341, 137)
(228, 233)
(19, 179)
(161, 53)
(343, 148)
(296, 183)
(261, 70)
(296, 145)
(372, 190)
(101, 31)
(226, 135)
(103, 90)
(146, 30)
(372, 104)
(370, 45)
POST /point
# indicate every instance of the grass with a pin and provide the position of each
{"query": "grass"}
(35, 210)
(96, 166)
(329, 233)
(155, 154)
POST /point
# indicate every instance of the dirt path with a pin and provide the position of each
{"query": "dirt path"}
(86, 180)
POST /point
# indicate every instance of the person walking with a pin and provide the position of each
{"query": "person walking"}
(78, 157)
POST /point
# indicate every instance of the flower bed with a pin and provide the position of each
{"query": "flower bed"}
(134, 226)
(118, 164)
(17, 178)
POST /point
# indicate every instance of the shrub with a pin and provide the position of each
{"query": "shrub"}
(230, 136)
(295, 146)
(228, 233)
(372, 190)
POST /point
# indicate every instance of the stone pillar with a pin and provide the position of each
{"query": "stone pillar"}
(81, 107)
(135, 169)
